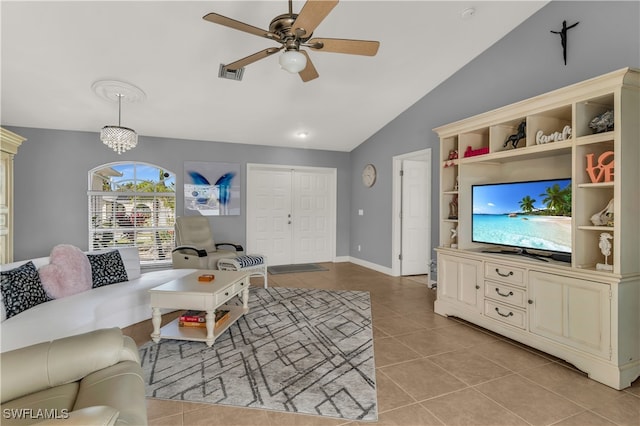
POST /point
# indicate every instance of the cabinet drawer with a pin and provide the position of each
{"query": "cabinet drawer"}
(505, 274)
(505, 294)
(505, 314)
(226, 294)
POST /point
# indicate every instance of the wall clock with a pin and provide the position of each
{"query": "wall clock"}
(369, 175)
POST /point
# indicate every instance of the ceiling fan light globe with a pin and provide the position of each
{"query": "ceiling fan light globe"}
(292, 61)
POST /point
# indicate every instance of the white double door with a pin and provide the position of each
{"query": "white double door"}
(291, 213)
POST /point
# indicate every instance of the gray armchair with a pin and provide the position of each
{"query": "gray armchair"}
(195, 246)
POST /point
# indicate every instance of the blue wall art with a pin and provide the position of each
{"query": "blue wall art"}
(211, 188)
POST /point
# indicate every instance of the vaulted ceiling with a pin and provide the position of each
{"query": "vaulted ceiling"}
(52, 53)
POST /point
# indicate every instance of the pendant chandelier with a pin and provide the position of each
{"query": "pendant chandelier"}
(118, 138)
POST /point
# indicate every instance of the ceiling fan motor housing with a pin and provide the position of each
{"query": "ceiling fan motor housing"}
(282, 26)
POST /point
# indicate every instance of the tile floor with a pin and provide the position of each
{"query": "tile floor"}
(432, 370)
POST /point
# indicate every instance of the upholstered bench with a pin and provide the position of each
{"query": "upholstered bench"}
(255, 264)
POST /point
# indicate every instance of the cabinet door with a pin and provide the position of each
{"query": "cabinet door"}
(6, 181)
(571, 311)
(459, 279)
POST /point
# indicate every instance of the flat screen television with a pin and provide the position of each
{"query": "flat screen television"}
(532, 217)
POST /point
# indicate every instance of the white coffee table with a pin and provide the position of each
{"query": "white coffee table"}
(189, 293)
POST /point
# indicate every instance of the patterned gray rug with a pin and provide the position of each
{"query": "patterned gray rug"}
(297, 350)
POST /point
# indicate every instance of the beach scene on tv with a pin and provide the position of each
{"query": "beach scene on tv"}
(534, 215)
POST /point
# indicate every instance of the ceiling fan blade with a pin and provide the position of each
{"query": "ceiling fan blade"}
(252, 58)
(241, 26)
(339, 45)
(312, 13)
(309, 72)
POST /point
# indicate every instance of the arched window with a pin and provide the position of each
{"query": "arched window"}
(133, 204)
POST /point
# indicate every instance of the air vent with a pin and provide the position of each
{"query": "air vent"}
(230, 74)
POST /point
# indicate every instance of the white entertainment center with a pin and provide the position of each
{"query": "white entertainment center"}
(573, 310)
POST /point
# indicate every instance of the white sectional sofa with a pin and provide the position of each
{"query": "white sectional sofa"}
(115, 305)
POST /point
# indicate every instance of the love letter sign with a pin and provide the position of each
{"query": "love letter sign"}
(603, 171)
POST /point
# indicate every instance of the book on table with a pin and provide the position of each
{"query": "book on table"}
(193, 316)
(198, 318)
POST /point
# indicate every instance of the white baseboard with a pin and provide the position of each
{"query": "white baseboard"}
(374, 266)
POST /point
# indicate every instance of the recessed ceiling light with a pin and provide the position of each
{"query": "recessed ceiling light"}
(302, 135)
(467, 13)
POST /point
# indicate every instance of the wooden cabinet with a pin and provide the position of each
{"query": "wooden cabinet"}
(584, 311)
(9, 144)
(461, 280)
(571, 311)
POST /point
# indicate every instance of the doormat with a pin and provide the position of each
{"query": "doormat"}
(305, 351)
(290, 269)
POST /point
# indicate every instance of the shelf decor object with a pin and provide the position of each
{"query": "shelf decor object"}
(454, 238)
(517, 137)
(601, 172)
(605, 216)
(565, 281)
(541, 138)
(605, 247)
(602, 122)
(470, 152)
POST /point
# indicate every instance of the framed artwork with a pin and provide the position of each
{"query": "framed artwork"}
(211, 188)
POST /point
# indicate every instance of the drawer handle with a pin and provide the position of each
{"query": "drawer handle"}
(504, 294)
(503, 275)
(510, 314)
(226, 293)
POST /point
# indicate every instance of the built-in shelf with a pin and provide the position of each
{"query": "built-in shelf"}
(595, 228)
(576, 307)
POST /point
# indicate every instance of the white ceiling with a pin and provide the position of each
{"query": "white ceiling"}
(52, 53)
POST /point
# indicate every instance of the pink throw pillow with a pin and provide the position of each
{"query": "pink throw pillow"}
(68, 272)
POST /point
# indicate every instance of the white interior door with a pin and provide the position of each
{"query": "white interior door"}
(291, 213)
(269, 215)
(415, 215)
(311, 217)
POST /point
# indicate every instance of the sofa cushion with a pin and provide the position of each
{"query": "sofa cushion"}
(116, 305)
(69, 272)
(107, 268)
(22, 289)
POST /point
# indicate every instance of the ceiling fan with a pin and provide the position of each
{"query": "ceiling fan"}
(294, 31)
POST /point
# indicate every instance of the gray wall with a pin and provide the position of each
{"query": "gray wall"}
(526, 62)
(51, 168)
(51, 183)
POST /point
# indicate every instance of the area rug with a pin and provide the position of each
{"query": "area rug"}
(290, 269)
(302, 351)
